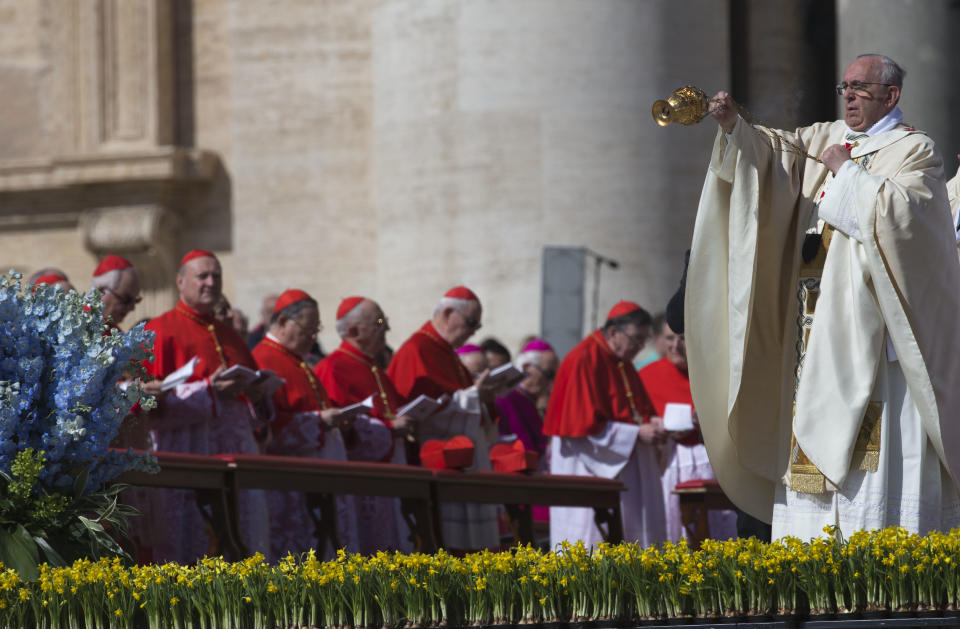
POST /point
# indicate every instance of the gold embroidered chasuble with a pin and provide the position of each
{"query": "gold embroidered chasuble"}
(773, 383)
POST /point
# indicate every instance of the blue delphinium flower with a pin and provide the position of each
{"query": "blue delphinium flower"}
(61, 370)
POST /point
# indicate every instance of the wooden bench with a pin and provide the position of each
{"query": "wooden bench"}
(322, 480)
(519, 492)
(697, 498)
(217, 479)
(211, 478)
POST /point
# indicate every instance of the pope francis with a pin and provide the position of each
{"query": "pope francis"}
(823, 317)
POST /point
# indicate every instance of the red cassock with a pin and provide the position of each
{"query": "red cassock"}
(350, 376)
(593, 386)
(427, 364)
(183, 333)
(301, 391)
(665, 382)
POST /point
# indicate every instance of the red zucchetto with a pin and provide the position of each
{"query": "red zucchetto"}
(110, 263)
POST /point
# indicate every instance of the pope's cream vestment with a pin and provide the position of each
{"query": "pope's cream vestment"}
(828, 385)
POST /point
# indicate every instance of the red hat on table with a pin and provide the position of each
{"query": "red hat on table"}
(197, 253)
(623, 308)
(290, 297)
(347, 305)
(461, 292)
(110, 263)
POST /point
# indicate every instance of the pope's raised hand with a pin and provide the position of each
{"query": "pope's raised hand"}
(834, 156)
(724, 111)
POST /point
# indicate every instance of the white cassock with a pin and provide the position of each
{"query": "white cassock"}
(292, 529)
(953, 192)
(380, 523)
(193, 419)
(827, 388)
(465, 525)
(612, 453)
(686, 463)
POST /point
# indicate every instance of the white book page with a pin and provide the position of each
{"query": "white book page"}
(678, 417)
(240, 372)
(359, 408)
(505, 375)
(180, 376)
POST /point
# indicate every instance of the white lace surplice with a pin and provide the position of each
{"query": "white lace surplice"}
(380, 524)
(912, 489)
(614, 452)
(465, 525)
(291, 527)
(182, 424)
(686, 463)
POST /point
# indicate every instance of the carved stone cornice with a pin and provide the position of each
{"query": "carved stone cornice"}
(128, 229)
(162, 164)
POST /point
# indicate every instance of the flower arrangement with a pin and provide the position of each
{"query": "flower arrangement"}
(617, 584)
(61, 406)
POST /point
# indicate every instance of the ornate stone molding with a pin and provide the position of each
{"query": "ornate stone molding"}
(162, 164)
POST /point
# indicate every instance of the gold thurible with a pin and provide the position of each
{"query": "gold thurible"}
(687, 105)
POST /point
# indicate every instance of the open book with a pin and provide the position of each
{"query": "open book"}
(505, 376)
(180, 376)
(420, 408)
(254, 378)
(350, 412)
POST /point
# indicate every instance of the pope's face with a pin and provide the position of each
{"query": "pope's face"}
(865, 106)
(200, 284)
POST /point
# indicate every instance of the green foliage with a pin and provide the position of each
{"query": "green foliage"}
(56, 527)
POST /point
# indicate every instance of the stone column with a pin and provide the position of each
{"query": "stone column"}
(921, 35)
(503, 126)
(784, 60)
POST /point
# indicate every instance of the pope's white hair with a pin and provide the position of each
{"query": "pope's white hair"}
(890, 71)
(530, 357)
(451, 302)
(110, 279)
(351, 318)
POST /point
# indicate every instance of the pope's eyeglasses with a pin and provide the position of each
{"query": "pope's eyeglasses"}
(857, 86)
